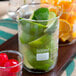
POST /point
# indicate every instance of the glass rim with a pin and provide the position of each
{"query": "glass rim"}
(26, 5)
(16, 52)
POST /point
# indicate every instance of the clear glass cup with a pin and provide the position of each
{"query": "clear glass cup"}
(5, 71)
(38, 44)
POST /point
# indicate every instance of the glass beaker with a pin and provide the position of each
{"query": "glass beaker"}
(38, 39)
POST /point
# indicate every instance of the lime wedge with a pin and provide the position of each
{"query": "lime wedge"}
(51, 20)
(25, 38)
(30, 31)
(52, 15)
(40, 42)
(28, 26)
(52, 27)
(52, 23)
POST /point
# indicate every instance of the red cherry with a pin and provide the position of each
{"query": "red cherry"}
(12, 62)
(3, 59)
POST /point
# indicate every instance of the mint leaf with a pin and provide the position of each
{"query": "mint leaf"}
(41, 14)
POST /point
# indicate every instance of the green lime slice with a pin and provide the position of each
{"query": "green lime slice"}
(52, 15)
(40, 42)
(23, 49)
(25, 38)
(30, 31)
(51, 28)
(52, 23)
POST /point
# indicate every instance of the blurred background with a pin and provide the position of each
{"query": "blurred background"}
(3, 10)
(8, 28)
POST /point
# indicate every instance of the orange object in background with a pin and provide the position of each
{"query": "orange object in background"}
(65, 16)
(69, 14)
(53, 2)
(65, 34)
(73, 7)
(70, 17)
(66, 5)
(74, 1)
(67, 20)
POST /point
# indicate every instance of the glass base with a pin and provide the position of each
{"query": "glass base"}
(38, 71)
(41, 71)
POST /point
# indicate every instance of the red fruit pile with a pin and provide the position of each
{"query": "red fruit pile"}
(3, 59)
(5, 62)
